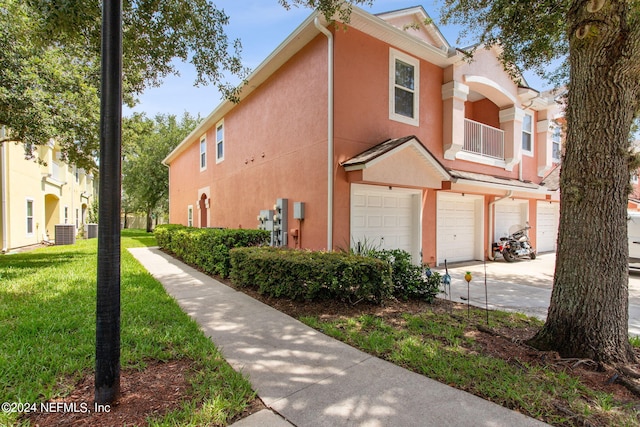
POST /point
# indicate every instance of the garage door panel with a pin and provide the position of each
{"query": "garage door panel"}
(390, 218)
(390, 221)
(390, 202)
(374, 221)
(547, 226)
(359, 221)
(507, 215)
(374, 201)
(456, 228)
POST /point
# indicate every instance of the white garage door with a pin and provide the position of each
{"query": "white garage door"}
(547, 226)
(457, 227)
(386, 219)
(507, 214)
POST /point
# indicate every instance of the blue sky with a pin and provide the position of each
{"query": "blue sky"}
(261, 25)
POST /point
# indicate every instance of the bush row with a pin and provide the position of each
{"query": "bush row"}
(207, 248)
(299, 274)
(307, 275)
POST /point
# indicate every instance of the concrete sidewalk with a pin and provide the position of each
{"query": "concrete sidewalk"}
(308, 378)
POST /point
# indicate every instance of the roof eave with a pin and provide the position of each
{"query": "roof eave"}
(464, 181)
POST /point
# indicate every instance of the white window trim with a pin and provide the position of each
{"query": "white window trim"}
(220, 124)
(202, 152)
(393, 55)
(190, 216)
(528, 153)
(26, 217)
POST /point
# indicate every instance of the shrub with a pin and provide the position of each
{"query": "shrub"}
(207, 248)
(409, 280)
(308, 275)
(163, 234)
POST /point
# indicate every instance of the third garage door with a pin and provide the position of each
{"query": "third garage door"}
(547, 226)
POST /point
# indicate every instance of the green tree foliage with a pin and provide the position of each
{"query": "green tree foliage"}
(600, 40)
(146, 143)
(45, 91)
(50, 63)
(331, 9)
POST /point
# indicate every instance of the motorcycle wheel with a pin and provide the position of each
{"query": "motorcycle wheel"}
(532, 255)
(508, 256)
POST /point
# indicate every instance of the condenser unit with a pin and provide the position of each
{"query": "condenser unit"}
(65, 234)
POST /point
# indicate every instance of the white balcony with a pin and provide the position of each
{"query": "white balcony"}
(483, 140)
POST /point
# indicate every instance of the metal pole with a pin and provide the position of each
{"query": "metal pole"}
(107, 375)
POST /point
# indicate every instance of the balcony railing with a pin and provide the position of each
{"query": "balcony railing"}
(483, 140)
(57, 171)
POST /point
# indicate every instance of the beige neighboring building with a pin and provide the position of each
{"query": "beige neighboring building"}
(36, 198)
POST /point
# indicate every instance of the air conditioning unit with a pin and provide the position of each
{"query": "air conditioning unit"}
(65, 234)
(92, 231)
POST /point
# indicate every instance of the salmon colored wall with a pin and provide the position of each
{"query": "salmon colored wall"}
(362, 97)
(362, 113)
(533, 223)
(275, 141)
(429, 215)
(271, 151)
(484, 111)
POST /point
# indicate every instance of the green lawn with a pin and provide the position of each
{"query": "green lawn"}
(47, 319)
(443, 347)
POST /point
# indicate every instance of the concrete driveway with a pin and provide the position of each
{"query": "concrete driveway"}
(523, 286)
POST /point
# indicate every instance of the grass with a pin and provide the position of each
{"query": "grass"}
(47, 319)
(441, 347)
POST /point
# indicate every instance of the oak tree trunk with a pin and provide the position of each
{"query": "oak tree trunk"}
(588, 313)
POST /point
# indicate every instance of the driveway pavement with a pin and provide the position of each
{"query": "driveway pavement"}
(523, 286)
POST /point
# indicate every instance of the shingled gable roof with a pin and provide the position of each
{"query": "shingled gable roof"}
(389, 147)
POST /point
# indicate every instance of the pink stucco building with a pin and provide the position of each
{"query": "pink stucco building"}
(387, 134)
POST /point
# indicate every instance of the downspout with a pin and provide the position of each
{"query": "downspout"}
(330, 76)
(506, 196)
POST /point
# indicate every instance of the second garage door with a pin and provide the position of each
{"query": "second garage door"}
(458, 222)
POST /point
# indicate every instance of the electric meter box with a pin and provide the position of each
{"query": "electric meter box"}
(298, 210)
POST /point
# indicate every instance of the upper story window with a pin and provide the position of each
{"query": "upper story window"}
(404, 88)
(219, 142)
(203, 153)
(527, 134)
(556, 139)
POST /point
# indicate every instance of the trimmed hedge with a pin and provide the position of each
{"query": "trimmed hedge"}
(207, 248)
(163, 234)
(307, 275)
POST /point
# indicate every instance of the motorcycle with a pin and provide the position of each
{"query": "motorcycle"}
(516, 245)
